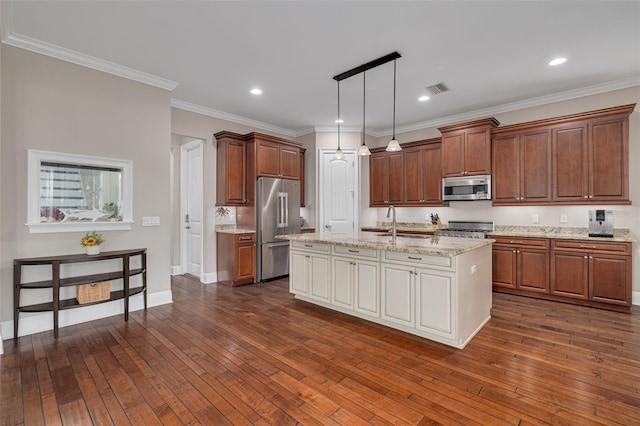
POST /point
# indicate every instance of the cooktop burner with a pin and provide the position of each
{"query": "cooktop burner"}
(466, 229)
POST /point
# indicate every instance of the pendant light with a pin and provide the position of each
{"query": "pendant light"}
(393, 143)
(339, 155)
(363, 150)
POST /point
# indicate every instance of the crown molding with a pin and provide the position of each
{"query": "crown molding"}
(54, 51)
(343, 129)
(514, 106)
(210, 112)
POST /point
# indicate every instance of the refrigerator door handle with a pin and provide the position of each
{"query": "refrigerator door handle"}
(282, 206)
(285, 209)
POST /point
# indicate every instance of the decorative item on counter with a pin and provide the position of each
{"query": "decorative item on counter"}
(222, 212)
(91, 242)
(435, 221)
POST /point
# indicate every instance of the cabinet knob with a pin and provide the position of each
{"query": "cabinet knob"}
(586, 196)
(585, 257)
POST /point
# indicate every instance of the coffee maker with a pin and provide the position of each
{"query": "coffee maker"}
(601, 223)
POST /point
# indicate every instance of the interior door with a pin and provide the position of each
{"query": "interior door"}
(191, 175)
(337, 190)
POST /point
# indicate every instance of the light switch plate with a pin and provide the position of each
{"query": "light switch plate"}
(151, 221)
(563, 218)
(535, 218)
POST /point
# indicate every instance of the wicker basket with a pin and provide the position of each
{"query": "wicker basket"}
(95, 292)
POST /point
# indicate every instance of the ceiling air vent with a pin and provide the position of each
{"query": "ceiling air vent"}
(437, 88)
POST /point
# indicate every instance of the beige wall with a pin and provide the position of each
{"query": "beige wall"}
(1, 281)
(193, 125)
(48, 104)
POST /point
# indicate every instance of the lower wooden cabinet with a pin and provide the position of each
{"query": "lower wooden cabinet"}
(586, 272)
(521, 263)
(236, 258)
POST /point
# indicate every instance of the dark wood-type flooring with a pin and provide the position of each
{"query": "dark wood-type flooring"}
(253, 355)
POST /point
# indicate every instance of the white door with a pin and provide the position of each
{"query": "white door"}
(338, 196)
(191, 201)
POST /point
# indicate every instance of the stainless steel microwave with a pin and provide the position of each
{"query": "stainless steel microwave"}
(466, 188)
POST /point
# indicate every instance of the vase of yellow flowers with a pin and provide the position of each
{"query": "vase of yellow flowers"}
(91, 242)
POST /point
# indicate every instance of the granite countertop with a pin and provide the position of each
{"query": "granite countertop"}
(567, 233)
(233, 229)
(400, 226)
(433, 246)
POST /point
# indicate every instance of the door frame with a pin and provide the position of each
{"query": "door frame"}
(320, 182)
(197, 144)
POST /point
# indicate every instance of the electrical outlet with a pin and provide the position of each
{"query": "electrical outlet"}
(563, 218)
(427, 216)
(535, 218)
(474, 269)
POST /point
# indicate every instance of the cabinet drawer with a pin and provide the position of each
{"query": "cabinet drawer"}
(304, 245)
(592, 246)
(356, 251)
(413, 258)
(245, 238)
(525, 242)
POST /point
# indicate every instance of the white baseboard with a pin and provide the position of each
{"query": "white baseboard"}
(176, 270)
(635, 298)
(44, 322)
(209, 278)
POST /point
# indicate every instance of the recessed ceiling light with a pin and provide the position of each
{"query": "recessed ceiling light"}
(339, 121)
(423, 98)
(256, 91)
(558, 61)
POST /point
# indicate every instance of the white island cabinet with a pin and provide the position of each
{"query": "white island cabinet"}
(437, 288)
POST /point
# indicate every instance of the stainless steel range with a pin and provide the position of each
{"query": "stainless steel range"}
(466, 229)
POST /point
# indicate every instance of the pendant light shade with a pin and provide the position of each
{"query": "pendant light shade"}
(339, 155)
(364, 150)
(393, 143)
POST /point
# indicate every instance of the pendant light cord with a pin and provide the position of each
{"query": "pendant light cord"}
(339, 115)
(394, 98)
(364, 101)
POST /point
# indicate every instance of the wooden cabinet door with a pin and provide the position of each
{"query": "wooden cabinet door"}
(570, 165)
(435, 309)
(432, 186)
(289, 162)
(395, 184)
(268, 159)
(367, 288)
(453, 155)
(414, 176)
(610, 279)
(609, 159)
(298, 272)
(535, 166)
(319, 277)
(302, 178)
(378, 179)
(533, 270)
(235, 174)
(504, 266)
(506, 169)
(245, 262)
(398, 294)
(342, 282)
(477, 152)
(569, 274)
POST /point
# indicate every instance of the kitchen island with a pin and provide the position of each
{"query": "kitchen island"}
(434, 287)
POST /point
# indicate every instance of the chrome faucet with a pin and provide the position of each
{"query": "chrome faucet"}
(393, 222)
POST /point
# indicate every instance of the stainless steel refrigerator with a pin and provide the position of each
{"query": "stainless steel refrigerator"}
(278, 210)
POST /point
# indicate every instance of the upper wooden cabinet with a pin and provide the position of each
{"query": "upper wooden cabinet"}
(279, 159)
(422, 174)
(231, 163)
(576, 159)
(385, 182)
(411, 177)
(466, 148)
(521, 167)
(243, 158)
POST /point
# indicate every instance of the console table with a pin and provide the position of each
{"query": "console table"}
(56, 282)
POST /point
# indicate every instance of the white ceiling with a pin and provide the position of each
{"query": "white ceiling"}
(493, 55)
